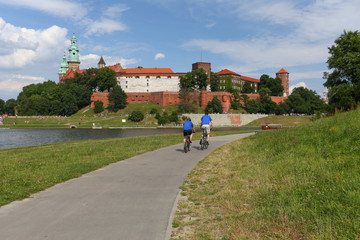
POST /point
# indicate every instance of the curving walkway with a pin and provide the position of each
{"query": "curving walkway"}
(132, 199)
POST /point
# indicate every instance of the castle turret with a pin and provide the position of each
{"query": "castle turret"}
(64, 67)
(284, 76)
(101, 63)
(74, 59)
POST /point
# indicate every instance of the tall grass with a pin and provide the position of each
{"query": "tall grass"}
(300, 183)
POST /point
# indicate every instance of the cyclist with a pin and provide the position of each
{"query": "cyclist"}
(206, 123)
(188, 128)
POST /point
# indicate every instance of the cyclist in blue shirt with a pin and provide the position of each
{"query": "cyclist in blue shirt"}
(206, 123)
(188, 128)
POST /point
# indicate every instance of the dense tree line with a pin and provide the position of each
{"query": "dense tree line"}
(50, 98)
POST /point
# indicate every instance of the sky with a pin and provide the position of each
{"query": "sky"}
(249, 37)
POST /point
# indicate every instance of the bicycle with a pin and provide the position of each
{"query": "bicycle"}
(187, 145)
(203, 142)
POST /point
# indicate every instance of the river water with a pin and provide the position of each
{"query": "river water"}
(10, 138)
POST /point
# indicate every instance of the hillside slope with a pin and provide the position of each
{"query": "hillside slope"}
(298, 183)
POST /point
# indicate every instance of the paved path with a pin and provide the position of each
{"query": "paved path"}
(129, 200)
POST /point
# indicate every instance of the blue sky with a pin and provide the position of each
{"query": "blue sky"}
(251, 37)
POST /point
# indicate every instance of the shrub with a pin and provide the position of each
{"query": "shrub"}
(136, 116)
(98, 106)
(153, 111)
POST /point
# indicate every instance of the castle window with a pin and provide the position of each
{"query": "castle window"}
(169, 76)
(157, 76)
(148, 77)
(137, 77)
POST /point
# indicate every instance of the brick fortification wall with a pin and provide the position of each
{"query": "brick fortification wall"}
(170, 98)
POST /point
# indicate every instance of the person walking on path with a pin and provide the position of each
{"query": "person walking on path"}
(188, 128)
(206, 123)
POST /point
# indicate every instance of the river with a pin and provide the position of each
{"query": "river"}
(10, 138)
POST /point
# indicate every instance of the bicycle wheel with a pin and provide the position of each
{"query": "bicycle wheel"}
(202, 145)
(185, 148)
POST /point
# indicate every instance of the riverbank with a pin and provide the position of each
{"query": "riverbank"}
(298, 183)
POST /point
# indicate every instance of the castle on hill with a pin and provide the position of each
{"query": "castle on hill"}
(161, 85)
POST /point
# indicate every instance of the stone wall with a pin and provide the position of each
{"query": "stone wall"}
(226, 119)
(170, 98)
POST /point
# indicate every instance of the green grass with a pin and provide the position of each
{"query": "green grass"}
(28, 170)
(85, 117)
(286, 121)
(297, 183)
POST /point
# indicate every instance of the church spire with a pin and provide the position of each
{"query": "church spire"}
(74, 59)
(64, 67)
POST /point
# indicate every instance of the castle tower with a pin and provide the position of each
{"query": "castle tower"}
(101, 63)
(203, 65)
(64, 67)
(74, 59)
(284, 76)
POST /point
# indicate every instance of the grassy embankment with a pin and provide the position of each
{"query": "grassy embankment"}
(297, 183)
(28, 170)
(86, 117)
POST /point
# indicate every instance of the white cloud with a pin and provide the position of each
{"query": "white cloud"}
(77, 11)
(61, 8)
(116, 10)
(159, 56)
(105, 25)
(15, 82)
(91, 61)
(308, 30)
(300, 84)
(23, 47)
(210, 25)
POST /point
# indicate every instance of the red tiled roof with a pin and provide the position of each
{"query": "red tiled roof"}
(146, 70)
(71, 74)
(227, 72)
(282, 71)
(250, 79)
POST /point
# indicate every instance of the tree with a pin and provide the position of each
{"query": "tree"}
(252, 106)
(214, 82)
(195, 80)
(105, 79)
(117, 98)
(274, 84)
(344, 60)
(174, 117)
(344, 80)
(10, 106)
(341, 97)
(247, 88)
(98, 106)
(214, 106)
(266, 104)
(136, 116)
(2, 106)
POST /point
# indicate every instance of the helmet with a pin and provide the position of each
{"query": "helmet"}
(188, 119)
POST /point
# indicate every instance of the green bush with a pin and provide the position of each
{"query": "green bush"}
(153, 111)
(99, 106)
(136, 116)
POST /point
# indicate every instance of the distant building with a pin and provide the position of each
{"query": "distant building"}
(140, 79)
(235, 80)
